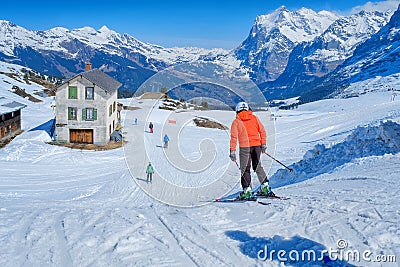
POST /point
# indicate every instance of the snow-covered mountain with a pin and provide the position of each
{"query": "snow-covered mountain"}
(63, 52)
(284, 50)
(104, 39)
(376, 58)
(273, 36)
(323, 54)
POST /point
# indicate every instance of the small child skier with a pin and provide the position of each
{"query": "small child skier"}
(149, 171)
(151, 127)
(166, 140)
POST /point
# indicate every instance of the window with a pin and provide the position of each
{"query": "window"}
(114, 106)
(110, 112)
(72, 113)
(89, 114)
(72, 92)
(89, 92)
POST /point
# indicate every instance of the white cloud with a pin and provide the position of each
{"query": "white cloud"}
(376, 6)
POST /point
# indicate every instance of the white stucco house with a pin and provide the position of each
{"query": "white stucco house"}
(86, 108)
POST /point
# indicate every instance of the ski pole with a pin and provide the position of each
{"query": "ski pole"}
(237, 164)
(290, 169)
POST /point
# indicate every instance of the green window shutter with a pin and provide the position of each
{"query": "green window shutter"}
(73, 94)
(83, 114)
(95, 114)
(71, 113)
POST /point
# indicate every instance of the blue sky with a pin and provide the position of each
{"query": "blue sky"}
(206, 23)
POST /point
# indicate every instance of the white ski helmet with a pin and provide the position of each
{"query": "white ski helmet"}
(241, 106)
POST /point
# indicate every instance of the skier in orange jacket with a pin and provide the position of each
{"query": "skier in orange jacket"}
(250, 133)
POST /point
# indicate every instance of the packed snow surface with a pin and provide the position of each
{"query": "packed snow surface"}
(67, 207)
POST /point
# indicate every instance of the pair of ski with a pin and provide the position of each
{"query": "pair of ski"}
(254, 198)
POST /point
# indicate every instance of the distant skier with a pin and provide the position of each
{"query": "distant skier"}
(151, 127)
(135, 121)
(149, 171)
(166, 140)
(393, 96)
(249, 131)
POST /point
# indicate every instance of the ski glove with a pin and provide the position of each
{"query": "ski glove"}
(232, 155)
(263, 148)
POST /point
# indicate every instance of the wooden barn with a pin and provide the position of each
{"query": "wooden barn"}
(10, 118)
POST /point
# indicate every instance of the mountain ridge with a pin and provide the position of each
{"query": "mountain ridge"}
(322, 55)
(284, 52)
(62, 52)
(273, 36)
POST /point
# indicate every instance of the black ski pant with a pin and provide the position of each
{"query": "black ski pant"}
(250, 157)
(149, 177)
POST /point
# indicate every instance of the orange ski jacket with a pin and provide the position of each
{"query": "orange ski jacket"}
(248, 130)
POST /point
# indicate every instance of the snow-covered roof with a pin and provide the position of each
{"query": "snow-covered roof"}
(7, 105)
(99, 78)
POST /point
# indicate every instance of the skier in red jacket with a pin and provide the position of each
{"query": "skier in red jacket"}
(250, 133)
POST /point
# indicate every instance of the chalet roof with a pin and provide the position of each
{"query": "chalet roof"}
(102, 80)
(99, 78)
(8, 105)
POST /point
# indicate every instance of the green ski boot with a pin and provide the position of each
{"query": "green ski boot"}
(265, 190)
(246, 194)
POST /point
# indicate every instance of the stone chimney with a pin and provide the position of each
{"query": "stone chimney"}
(88, 66)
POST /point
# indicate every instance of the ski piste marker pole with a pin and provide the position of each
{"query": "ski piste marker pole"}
(290, 169)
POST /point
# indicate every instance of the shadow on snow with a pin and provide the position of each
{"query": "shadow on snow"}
(49, 127)
(293, 249)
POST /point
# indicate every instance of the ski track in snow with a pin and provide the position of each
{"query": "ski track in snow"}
(82, 208)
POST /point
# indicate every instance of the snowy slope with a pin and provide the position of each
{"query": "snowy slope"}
(36, 113)
(13, 75)
(67, 207)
